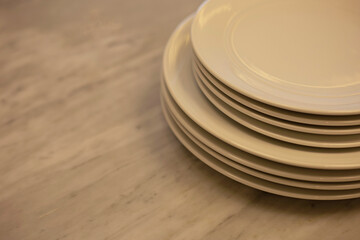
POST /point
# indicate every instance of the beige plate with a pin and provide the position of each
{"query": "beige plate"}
(301, 55)
(306, 139)
(255, 182)
(256, 173)
(222, 92)
(351, 122)
(254, 162)
(181, 83)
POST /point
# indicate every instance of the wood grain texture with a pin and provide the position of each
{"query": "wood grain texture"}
(85, 152)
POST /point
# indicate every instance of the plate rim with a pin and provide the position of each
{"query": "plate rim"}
(255, 172)
(279, 113)
(273, 131)
(267, 98)
(244, 181)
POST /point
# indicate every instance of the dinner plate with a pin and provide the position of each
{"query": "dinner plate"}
(306, 139)
(300, 55)
(324, 130)
(181, 84)
(255, 182)
(256, 173)
(252, 161)
(279, 113)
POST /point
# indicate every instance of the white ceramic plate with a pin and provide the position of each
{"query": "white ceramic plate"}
(216, 87)
(351, 122)
(255, 182)
(306, 139)
(181, 84)
(254, 172)
(301, 55)
(254, 162)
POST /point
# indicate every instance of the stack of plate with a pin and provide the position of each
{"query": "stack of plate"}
(268, 93)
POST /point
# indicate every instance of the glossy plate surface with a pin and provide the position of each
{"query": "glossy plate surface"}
(252, 161)
(254, 172)
(182, 86)
(255, 182)
(347, 123)
(305, 139)
(301, 55)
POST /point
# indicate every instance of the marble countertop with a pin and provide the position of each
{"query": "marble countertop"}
(85, 152)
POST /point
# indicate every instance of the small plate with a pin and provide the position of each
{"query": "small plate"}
(254, 172)
(252, 161)
(255, 182)
(320, 120)
(182, 86)
(300, 55)
(305, 139)
(215, 88)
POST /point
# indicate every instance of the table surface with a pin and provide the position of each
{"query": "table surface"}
(85, 152)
